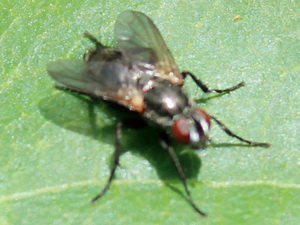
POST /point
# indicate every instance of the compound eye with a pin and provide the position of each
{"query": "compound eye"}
(205, 115)
(181, 130)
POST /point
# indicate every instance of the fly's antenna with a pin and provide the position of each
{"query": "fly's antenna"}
(230, 133)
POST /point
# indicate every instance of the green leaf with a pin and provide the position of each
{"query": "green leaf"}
(53, 160)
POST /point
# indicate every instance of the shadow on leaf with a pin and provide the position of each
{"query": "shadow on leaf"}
(97, 119)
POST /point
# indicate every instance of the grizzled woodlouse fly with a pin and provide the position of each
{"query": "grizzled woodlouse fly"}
(141, 75)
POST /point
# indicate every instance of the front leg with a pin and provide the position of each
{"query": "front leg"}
(206, 89)
(230, 133)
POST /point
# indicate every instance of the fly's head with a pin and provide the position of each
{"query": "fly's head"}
(193, 128)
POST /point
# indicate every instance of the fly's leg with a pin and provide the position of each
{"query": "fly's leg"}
(67, 89)
(167, 145)
(64, 88)
(207, 89)
(230, 133)
(129, 123)
(101, 53)
(94, 40)
(116, 161)
(91, 54)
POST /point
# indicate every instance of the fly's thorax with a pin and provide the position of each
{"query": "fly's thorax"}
(163, 101)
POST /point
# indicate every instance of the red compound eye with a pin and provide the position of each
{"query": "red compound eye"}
(204, 115)
(181, 130)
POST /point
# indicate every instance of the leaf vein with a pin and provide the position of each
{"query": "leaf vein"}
(214, 184)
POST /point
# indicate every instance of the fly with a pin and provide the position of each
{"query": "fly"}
(141, 74)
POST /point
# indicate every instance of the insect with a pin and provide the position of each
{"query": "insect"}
(142, 76)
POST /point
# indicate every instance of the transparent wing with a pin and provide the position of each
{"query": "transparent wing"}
(70, 74)
(107, 80)
(139, 39)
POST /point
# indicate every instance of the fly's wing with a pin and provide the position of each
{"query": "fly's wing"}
(70, 74)
(139, 40)
(106, 80)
